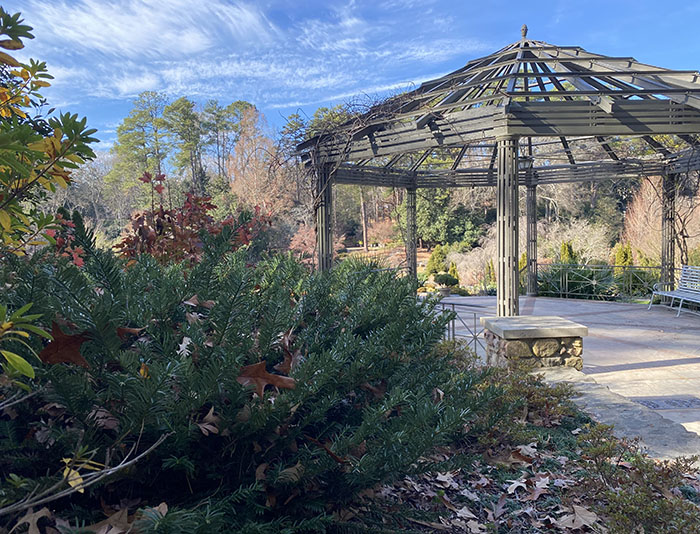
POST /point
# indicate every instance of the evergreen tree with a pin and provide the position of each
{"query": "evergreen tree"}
(185, 129)
(567, 254)
(221, 126)
(453, 271)
(436, 262)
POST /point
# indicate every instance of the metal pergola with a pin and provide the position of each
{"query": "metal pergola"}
(500, 117)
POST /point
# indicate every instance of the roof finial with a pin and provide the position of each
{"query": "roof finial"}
(523, 31)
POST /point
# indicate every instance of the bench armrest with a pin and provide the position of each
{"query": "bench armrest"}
(662, 286)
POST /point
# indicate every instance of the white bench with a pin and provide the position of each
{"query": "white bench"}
(688, 289)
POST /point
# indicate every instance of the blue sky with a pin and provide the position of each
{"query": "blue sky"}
(294, 56)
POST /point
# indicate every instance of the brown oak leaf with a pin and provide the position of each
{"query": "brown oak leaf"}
(64, 348)
(125, 332)
(257, 375)
(291, 359)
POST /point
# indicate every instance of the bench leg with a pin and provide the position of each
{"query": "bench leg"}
(679, 308)
(651, 299)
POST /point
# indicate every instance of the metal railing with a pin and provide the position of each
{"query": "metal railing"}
(598, 282)
(465, 326)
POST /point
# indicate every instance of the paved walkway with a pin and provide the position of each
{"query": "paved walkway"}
(649, 357)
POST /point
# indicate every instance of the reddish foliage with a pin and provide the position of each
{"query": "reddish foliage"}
(64, 241)
(304, 242)
(174, 234)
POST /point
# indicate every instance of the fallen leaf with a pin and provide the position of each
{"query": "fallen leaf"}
(446, 480)
(143, 371)
(209, 423)
(117, 523)
(183, 349)
(104, 419)
(124, 332)
(475, 528)
(500, 507)
(32, 519)
(448, 503)
(470, 495)
(465, 513)
(291, 474)
(257, 375)
(194, 301)
(580, 518)
(291, 359)
(260, 472)
(436, 526)
(64, 348)
(520, 483)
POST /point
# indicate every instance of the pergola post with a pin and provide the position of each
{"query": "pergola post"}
(323, 207)
(668, 230)
(507, 227)
(411, 231)
(531, 237)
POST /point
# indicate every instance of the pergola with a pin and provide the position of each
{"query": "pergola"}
(520, 99)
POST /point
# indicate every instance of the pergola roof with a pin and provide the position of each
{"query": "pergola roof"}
(529, 89)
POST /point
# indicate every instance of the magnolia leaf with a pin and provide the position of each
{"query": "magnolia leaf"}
(18, 363)
(11, 44)
(74, 479)
(8, 60)
(5, 220)
(65, 348)
(257, 375)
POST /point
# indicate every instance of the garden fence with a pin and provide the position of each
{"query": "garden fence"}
(601, 282)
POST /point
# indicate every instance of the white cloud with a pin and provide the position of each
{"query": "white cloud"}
(231, 49)
(148, 28)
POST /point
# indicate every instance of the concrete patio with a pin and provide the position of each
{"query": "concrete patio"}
(649, 357)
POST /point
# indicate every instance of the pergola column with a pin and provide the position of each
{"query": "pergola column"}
(507, 227)
(531, 238)
(411, 231)
(323, 207)
(668, 229)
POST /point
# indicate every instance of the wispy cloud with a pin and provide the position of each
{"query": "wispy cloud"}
(149, 28)
(271, 54)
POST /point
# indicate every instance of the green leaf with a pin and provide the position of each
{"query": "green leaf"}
(38, 331)
(18, 313)
(18, 363)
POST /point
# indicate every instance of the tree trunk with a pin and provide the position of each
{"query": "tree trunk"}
(363, 216)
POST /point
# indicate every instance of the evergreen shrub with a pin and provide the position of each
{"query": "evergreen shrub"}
(437, 261)
(445, 279)
(271, 395)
